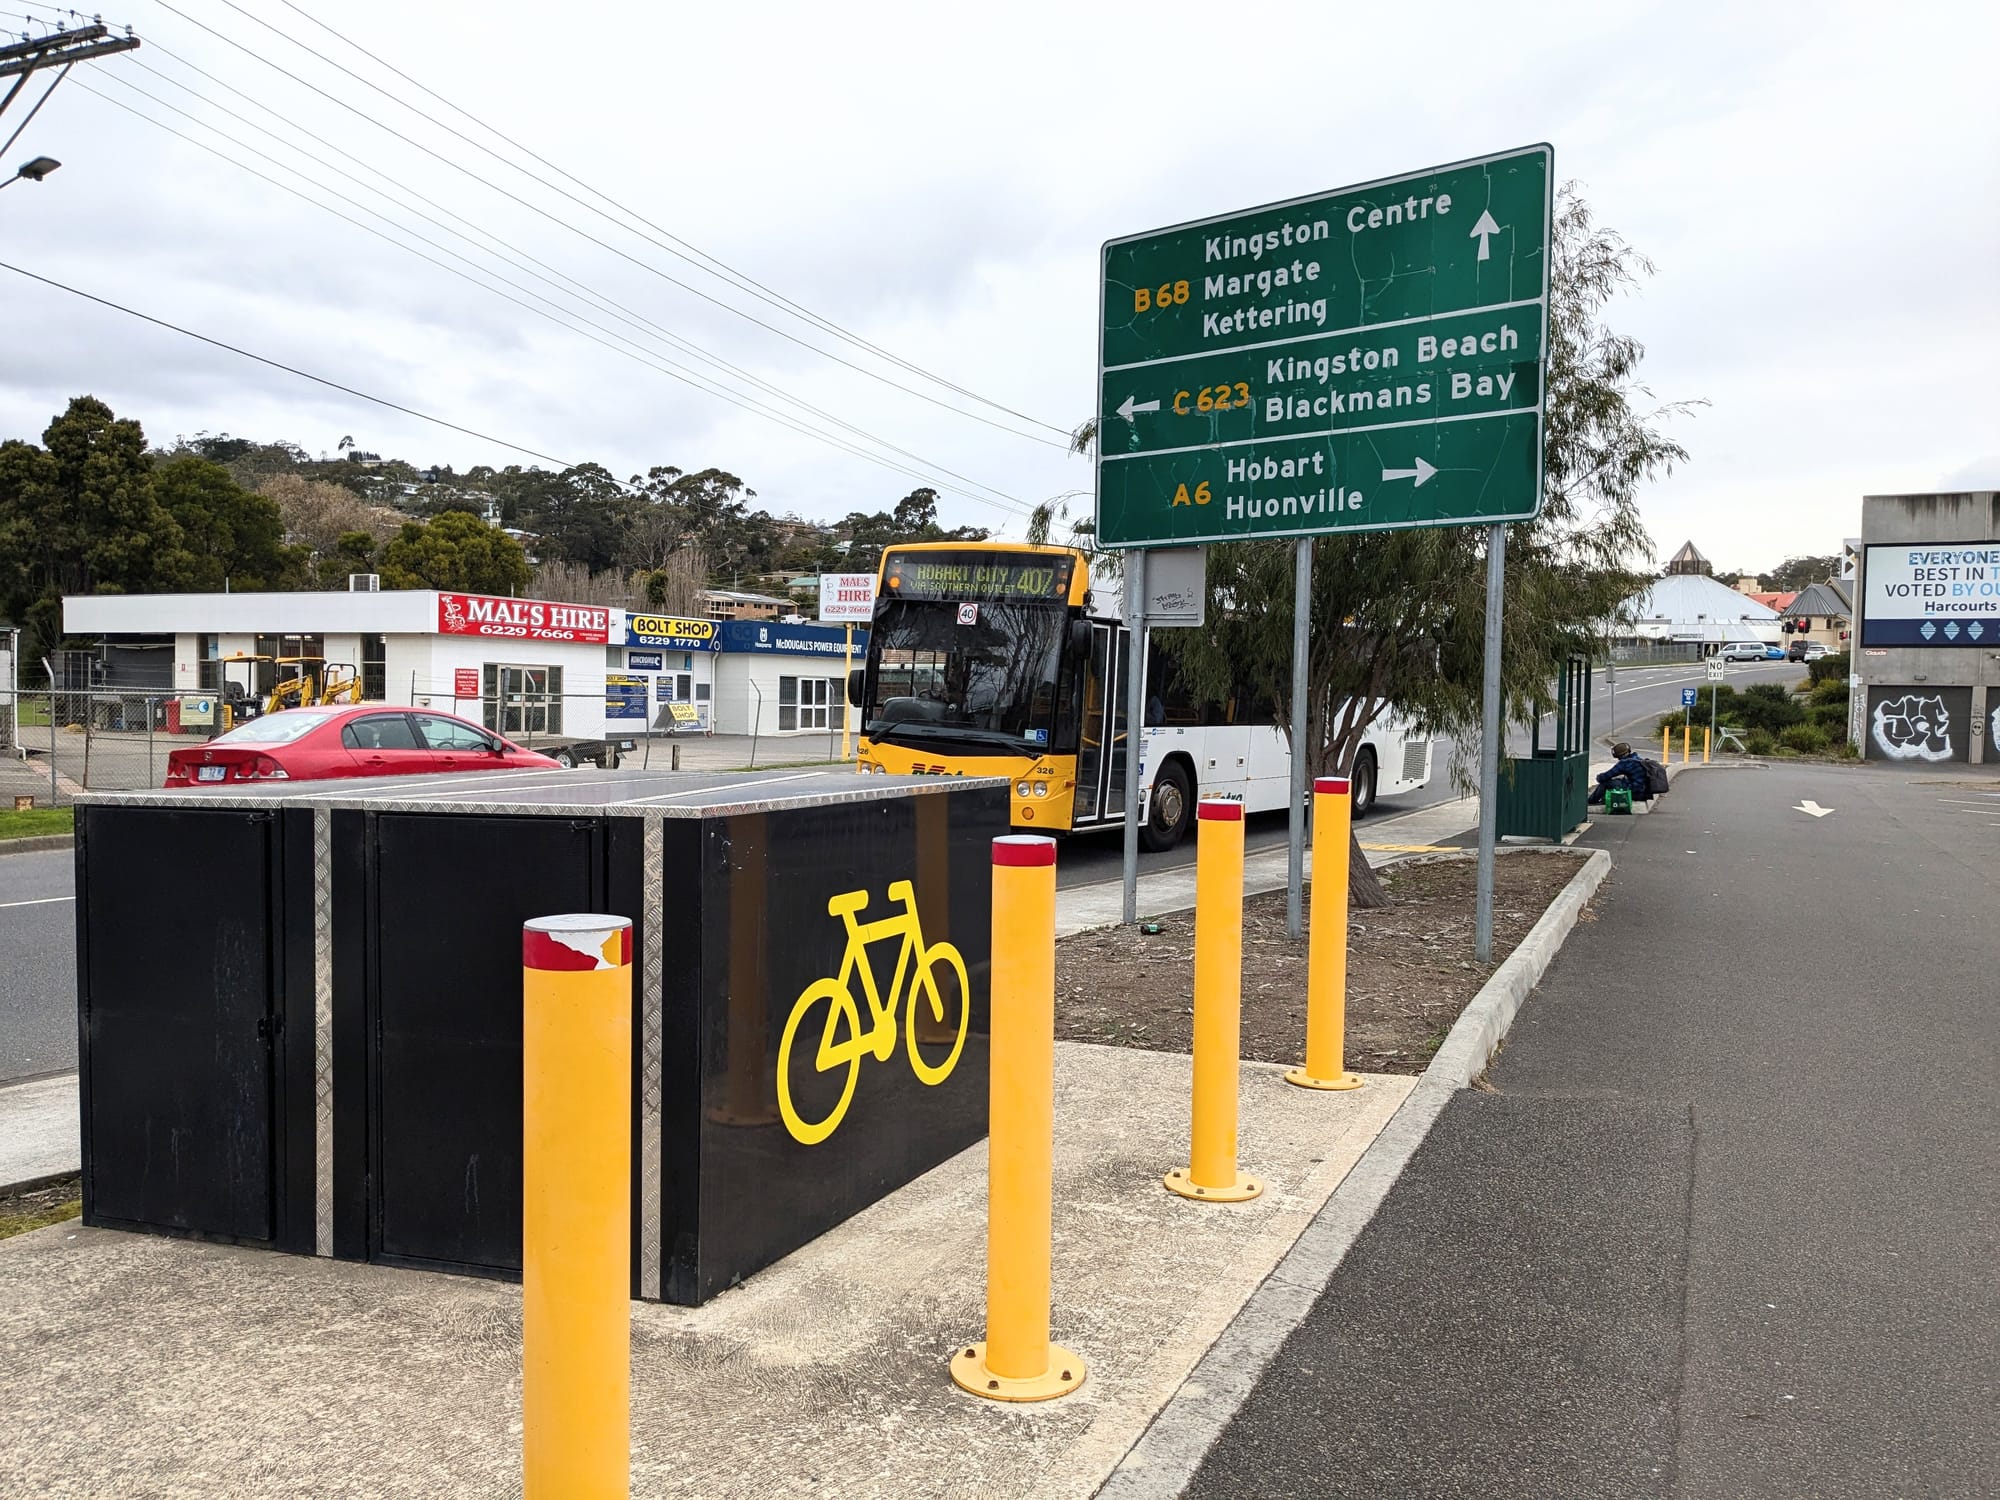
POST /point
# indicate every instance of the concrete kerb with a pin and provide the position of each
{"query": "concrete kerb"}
(1161, 1464)
(38, 844)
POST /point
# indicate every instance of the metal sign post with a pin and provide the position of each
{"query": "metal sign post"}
(1490, 732)
(1135, 718)
(1295, 864)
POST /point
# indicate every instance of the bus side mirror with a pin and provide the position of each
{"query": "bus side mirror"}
(1079, 636)
(854, 686)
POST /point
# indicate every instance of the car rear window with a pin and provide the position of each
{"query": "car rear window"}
(274, 729)
(380, 732)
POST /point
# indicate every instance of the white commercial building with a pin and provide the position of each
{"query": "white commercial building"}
(532, 669)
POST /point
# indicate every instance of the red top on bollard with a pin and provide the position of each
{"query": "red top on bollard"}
(1024, 849)
(577, 941)
(1220, 809)
(1334, 786)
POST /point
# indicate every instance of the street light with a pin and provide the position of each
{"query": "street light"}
(34, 170)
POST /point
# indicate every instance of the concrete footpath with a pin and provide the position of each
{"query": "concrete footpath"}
(1728, 1224)
(134, 1365)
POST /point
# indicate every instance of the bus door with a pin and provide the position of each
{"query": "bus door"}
(1103, 708)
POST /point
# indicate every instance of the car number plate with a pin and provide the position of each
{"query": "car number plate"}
(210, 773)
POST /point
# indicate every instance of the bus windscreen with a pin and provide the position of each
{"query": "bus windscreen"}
(966, 672)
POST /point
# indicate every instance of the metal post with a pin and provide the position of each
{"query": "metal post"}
(1135, 717)
(576, 1177)
(1490, 732)
(150, 706)
(1295, 862)
(55, 794)
(1017, 1362)
(846, 671)
(1610, 692)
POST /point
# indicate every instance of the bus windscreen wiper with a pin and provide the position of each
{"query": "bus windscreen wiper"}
(921, 731)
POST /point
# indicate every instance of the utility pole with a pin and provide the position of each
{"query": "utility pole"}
(21, 60)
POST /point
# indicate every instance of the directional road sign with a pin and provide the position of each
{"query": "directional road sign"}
(1688, 697)
(1358, 360)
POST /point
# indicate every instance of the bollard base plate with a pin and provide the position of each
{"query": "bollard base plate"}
(1242, 1190)
(1306, 1080)
(969, 1372)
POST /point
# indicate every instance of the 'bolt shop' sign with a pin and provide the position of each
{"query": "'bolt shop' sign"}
(522, 619)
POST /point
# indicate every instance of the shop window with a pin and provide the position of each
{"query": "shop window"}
(804, 702)
(374, 668)
(521, 700)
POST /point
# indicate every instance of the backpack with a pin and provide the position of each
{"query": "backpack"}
(1656, 778)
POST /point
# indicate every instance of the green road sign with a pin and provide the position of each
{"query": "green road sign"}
(1357, 360)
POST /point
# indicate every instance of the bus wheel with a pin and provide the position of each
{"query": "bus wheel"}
(1364, 783)
(1171, 809)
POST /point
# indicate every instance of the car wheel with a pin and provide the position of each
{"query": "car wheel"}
(1361, 785)
(1169, 810)
(565, 757)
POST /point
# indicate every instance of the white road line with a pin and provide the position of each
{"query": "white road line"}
(40, 901)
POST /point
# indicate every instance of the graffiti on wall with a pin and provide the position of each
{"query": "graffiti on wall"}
(1913, 726)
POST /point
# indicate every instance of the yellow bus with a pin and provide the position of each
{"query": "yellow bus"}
(1004, 659)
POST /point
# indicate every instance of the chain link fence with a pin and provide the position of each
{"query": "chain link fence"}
(56, 744)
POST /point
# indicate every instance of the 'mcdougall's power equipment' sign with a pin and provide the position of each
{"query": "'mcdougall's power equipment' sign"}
(522, 619)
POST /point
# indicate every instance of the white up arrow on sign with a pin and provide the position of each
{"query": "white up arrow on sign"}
(1812, 807)
(1420, 473)
(1133, 403)
(1481, 231)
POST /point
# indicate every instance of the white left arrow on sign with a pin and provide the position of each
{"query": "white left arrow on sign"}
(1482, 231)
(1420, 473)
(1133, 403)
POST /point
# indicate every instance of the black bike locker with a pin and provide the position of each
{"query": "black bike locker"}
(447, 894)
(192, 1024)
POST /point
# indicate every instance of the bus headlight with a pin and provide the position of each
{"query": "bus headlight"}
(1041, 789)
(1021, 789)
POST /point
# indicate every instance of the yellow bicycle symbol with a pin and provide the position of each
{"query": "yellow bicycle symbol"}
(842, 1042)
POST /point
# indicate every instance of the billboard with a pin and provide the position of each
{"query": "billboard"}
(1931, 594)
(846, 598)
(522, 619)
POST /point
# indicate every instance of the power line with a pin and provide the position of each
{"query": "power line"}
(669, 368)
(601, 243)
(408, 411)
(689, 252)
(597, 301)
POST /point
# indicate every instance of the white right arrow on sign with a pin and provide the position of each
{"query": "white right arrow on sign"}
(1481, 231)
(1812, 807)
(1420, 473)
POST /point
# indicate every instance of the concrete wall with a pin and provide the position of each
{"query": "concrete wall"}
(1910, 702)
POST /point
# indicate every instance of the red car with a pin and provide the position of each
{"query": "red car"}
(315, 744)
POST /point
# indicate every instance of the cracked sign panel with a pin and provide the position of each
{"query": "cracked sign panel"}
(1359, 360)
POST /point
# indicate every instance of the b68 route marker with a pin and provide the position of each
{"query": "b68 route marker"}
(1358, 360)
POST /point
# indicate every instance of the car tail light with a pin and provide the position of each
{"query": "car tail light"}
(263, 768)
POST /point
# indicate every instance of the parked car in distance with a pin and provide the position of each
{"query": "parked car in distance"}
(1745, 651)
(320, 744)
(1815, 650)
(1795, 651)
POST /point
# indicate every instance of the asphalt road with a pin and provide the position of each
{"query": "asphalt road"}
(1728, 1226)
(37, 964)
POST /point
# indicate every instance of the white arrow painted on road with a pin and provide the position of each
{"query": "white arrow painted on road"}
(1481, 230)
(1133, 403)
(1420, 473)
(1810, 806)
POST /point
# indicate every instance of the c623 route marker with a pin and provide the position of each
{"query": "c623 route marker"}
(1357, 360)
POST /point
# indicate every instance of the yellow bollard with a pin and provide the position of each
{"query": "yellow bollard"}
(1704, 744)
(1667, 745)
(1684, 744)
(1326, 944)
(576, 1208)
(1211, 1174)
(1017, 1362)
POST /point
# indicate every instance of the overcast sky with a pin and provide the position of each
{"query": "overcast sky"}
(1820, 187)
